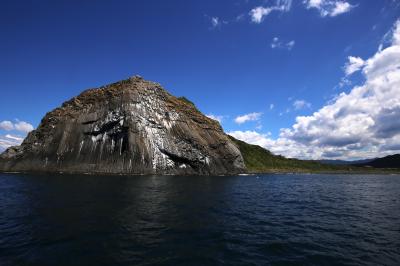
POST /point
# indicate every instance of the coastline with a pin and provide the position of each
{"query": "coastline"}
(252, 173)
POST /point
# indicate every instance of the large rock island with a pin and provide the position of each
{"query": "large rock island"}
(129, 127)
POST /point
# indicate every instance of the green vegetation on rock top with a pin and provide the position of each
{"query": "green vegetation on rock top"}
(186, 100)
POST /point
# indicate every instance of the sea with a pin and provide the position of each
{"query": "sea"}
(269, 219)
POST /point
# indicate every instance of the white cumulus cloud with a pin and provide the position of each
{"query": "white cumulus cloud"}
(21, 126)
(248, 117)
(6, 125)
(253, 137)
(363, 123)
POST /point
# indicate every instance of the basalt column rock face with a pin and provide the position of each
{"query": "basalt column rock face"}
(129, 127)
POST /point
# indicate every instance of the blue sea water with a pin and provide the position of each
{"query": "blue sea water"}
(175, 220)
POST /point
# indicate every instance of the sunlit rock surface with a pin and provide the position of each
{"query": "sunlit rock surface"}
(129, 127)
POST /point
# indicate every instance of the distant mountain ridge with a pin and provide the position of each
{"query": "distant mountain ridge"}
(259, 160)
(390, 161)
(343, 162)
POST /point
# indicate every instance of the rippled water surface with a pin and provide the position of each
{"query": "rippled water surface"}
(166, 220)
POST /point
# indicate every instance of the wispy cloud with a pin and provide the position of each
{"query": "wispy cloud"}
(290, 44)
(19, 127)
(278, 44)
(354, 64)
(240, 17)
(258, 14)
(301, 104)
(9, 140)
(329, 8)
(215, 22)
(15, 138)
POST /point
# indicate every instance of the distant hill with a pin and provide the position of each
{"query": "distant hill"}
(391, 161)
(343, 162)
(259, 160)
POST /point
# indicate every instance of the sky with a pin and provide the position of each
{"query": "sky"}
(309, 79)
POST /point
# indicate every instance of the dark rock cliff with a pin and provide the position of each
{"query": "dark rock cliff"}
(129, 127)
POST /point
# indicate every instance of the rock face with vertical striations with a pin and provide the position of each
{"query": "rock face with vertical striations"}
(129, 127)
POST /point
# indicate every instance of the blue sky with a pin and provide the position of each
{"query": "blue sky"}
(256, 65)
